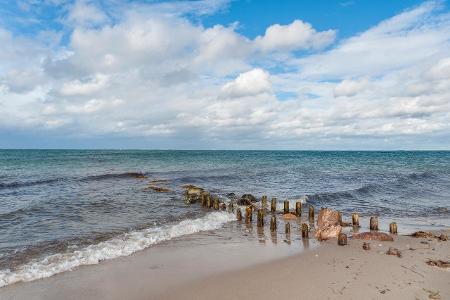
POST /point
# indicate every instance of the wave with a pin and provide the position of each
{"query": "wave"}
(18, 184)
(113, 176)
(119, 246)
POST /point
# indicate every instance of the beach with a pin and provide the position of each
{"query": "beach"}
(227, 268)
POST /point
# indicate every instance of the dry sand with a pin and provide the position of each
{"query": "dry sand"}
(227, 269)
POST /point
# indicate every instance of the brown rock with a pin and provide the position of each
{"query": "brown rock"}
(373, 235)
(328, 217)
(394, 251)
(438, 263)
(246, 199)
(422, 234)
(157, 189)
(366, 246)
(327, 232)
(289, 217)
(443, 237)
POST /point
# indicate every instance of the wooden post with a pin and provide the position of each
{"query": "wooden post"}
(340, 218)
(286, 207)
(393, 228)
(260, 220)
(216, 203)
(239, 214)
(263, 201)
(355, 219)
(273, 223)
(248, 215)
(298, 209)
(305, 233)
(373, 223)
(287, 228)
(273, 205)
(311, 214)
(208, 201)
(342, 239)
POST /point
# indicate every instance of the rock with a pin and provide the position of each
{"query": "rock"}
(373, 235)
(443, 237)
(422, 234)
(328, 217)
(327, 232)
(246, 199)
(157, 189)
(136, 175)
(394, 251)
(438, 263)
(366, 246)
(289, 217)
(192, 193)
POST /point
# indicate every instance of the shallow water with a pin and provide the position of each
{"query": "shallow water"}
(63, 208)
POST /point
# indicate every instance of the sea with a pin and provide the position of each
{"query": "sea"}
(61, 209)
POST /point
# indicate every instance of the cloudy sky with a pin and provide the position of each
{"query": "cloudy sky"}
(220, 74)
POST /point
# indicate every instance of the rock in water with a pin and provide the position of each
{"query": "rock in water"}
(328, 223)
(246, 199)
(192, 193)
(378, 236)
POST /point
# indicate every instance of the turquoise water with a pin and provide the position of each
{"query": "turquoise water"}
(62, 202)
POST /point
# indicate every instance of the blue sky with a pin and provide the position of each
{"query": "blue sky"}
(218, 74)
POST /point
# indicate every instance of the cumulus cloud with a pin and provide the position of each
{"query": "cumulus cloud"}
(294, 36)
(154, 73)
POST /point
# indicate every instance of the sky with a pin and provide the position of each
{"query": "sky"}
(223, 74)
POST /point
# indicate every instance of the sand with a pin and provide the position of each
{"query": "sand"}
(229, 269)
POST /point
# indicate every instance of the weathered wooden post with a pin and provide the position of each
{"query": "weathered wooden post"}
(393, 228)
(342, 239)
(260, 219)
(286, 207)
(340, 218)
(264, 201)
(216, 203)
(273, 223)
(287, 228)
(373, 223)
(298, 209)
(273, 205)
(239, 214)
(305, 233)
(248, 215)
(311, 214)
(208, 201)
(355, 219)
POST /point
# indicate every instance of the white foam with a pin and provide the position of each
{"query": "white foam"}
(123, 245)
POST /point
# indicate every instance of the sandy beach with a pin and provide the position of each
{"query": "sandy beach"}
(241, 269)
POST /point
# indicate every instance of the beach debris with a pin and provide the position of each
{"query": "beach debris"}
(328, 223)
(443, 237)
(289, 216)
(239, 214)
(298, 209)
(366, 246)
(286, 207)
(157, 189)
(355, 219)
(273, 223)
(311, 214)
(394, 251)
(264, 201)
(379, 236)
(260, 218)
(287, 228)
(342, 239)
(393, 228)
(248, 214)
(305, 231)
(438, 263)
(374, 223)
(433, 295)
(246, 199)
(273, 204)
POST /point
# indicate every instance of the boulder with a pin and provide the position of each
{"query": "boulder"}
(328, 217)
(327, 232)
(246, 199)
(373, 235)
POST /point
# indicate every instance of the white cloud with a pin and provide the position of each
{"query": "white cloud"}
(250, 83)
(294, 36)
(85, 13)
(350, 87)
(77, 87)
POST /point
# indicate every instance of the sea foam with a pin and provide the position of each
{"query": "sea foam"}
(122, 245)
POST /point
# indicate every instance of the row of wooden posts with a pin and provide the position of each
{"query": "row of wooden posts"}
(207, 201)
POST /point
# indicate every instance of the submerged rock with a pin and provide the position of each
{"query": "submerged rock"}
(373, 235)
(157, 189)
(246, 199)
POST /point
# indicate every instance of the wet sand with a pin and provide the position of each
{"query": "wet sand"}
(216, 265)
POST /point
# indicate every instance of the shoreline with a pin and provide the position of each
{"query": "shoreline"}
(216, 264)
